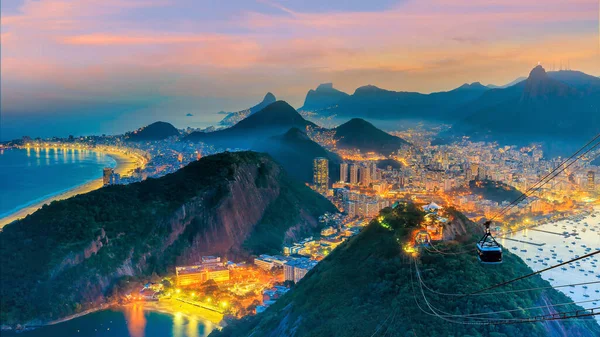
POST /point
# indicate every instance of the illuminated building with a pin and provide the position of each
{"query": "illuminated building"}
(106, 175)
(296, 269)
(350, 208)
(353, 174)
(211, 268)
(591, 183)
(190, 275)
(343, 172)
(365, 176)
(321, 174)
(373, 167)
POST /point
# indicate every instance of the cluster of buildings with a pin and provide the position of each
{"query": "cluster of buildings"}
(210, 268)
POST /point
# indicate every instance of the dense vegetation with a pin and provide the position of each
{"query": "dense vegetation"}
(154, 131)
(47, 275)
(494, 190)
(368, 286)
(362, 135)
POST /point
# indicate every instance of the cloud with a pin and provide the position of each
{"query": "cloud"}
(146, 39)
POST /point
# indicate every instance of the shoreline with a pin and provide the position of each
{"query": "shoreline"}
(170, 306)
(124, 164)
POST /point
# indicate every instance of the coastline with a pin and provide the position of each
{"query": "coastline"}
(124, 165)
(210, 319)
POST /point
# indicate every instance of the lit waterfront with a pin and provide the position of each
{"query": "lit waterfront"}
(134, 320)
(556, 248)
(32, 177)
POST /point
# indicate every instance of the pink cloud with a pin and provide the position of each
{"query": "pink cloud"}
(148, 38)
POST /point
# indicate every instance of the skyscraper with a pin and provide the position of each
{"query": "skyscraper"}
(373, 168)
(353, 174)
(321, 174)
(106, 175)
(343, 172)
(591, 183)
(365, 176)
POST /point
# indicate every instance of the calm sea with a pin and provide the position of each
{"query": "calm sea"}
(131, 321)
(29, 176)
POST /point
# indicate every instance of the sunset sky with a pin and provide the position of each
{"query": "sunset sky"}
(88, 66)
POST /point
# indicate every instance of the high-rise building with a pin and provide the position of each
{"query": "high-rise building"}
(365, 176)
(343, 172)
(373, 167)
(106, 175)
(321, 174)
(591, 183)
(353, 174)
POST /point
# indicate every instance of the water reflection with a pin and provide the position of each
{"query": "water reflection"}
(135, 319)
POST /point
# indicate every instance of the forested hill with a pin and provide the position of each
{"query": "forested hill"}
(154, 131)
(73, 254)
(368, 286)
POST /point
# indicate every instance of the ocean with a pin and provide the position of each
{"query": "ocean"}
(546, 245)
(28, 176)
(130, 321)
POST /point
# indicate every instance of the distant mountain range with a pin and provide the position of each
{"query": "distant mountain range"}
(233, 118)
(362, 135)
(154, 131)
(561, 106)
(324, 97)
(58, 260)
(275, 119)
(280, 131)
(373, 102)
(554, 108)
(369, 286)
(510, 84)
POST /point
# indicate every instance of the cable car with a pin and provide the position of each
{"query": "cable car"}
(488, 250)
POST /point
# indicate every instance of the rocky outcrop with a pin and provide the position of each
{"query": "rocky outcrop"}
(74, 258)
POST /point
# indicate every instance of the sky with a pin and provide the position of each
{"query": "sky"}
(108, 66)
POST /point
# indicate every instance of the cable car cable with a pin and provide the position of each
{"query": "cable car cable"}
(533, 188)
(532, 274)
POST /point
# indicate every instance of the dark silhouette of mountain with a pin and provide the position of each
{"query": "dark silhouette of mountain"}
(362, 135)
(373, 102)
(58, 260)
(324, 97)
(154, 131)
(578, 80)
(234, 117)
(274, 119)
(295, 151)
(539, 109)
(370, 286)
(510, 84)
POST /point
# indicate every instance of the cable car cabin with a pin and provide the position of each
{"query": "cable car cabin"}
(488, 250)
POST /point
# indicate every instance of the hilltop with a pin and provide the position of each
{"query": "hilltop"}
(551, 108)
(233, 118)
(368, 286)
(276, 118)
(154, 131)
(322, 98)
(371, 101)
(72, 252)
(364, 136)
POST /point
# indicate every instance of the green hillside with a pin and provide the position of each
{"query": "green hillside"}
(368, 287)
(73, 253)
